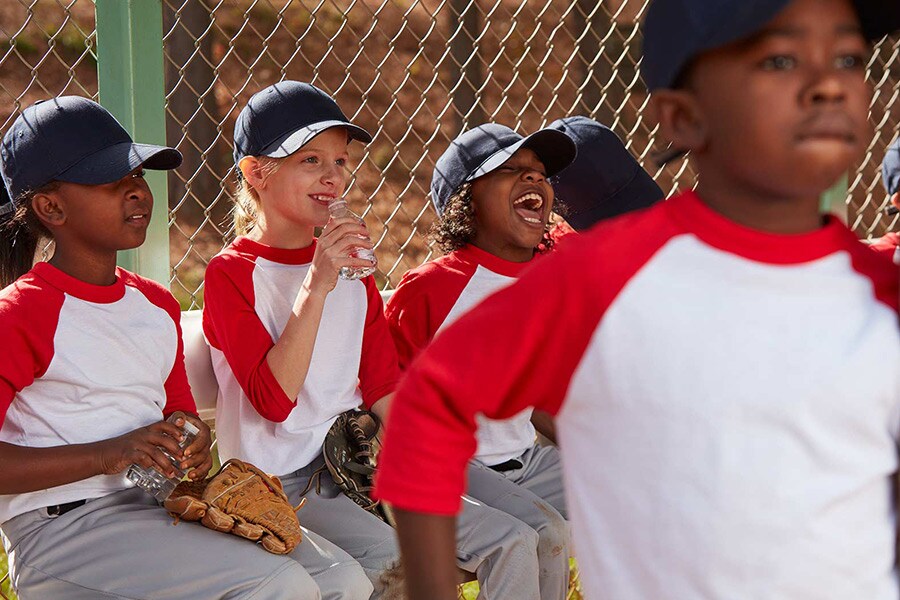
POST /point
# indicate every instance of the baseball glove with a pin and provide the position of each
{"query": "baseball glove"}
(350, 451)
(242, 500)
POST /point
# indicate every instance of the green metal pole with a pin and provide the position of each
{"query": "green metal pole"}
(834, 200)
(132, 87)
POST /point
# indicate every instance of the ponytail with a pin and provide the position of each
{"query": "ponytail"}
(245, 212)
(21, 232)
(246, 198)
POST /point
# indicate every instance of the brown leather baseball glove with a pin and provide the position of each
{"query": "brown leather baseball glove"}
(242, 500)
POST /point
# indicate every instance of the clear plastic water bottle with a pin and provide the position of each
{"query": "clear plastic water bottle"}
(151, 480)
(338, 208)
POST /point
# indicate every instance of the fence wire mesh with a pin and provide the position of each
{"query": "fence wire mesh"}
(47, 48)
(412, 72)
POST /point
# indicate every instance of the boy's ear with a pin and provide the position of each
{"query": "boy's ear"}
(49, 208)
(252, 171)
(680, 119)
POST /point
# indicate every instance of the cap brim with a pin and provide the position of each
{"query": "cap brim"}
(295, 140)
(554, 149)
(115, 162)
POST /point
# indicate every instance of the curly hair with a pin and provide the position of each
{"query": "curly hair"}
(456, 226)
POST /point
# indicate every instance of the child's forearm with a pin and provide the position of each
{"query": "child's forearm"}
(428, 548)
(543, 423)
(24, 469)
(289, 358)
(381, 407)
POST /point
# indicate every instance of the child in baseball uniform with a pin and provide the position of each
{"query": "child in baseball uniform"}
(722, 434)
(91, 365)
(293, 345)
(491, 191)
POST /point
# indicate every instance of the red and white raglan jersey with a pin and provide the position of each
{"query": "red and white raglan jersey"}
(249, 293)
(432, 296)
(727, 404)
(81, 363)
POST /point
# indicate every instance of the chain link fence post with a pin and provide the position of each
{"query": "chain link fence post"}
(466, 68)
(130, 74)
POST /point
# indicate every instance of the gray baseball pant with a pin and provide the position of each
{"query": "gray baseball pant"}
(534, 495)
(362, 535)
(499, 548)
(125, 546)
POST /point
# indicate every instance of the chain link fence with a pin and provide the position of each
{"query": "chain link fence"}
(412, 72)
(46, 49)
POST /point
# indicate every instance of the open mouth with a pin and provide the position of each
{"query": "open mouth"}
(529, 208)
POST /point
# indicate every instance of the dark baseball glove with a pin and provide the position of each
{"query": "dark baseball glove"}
(350, 450)
(242, 500)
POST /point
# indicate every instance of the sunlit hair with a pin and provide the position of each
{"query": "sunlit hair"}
(246, 198)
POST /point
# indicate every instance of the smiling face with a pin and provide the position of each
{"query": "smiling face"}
(98, 218)
(512, 205)
(781, 115)
(297, 194)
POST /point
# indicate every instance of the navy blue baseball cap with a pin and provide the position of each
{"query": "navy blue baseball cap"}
(890, 168)
(76, 140)
(605, 180)
(676, 31)
(483, 149)
(281, 118)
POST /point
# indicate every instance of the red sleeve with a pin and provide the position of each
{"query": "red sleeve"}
(421, 303)
(518, 348)
(879, 268)
(887, 245)
(178, 390)
(378, 370)
(29, 315)
(231, 325)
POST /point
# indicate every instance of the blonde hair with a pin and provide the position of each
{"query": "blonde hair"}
(246, 198)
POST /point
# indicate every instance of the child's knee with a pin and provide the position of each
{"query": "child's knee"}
(553, 532)
(345, 581)
(291, 581)
(519, 534)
